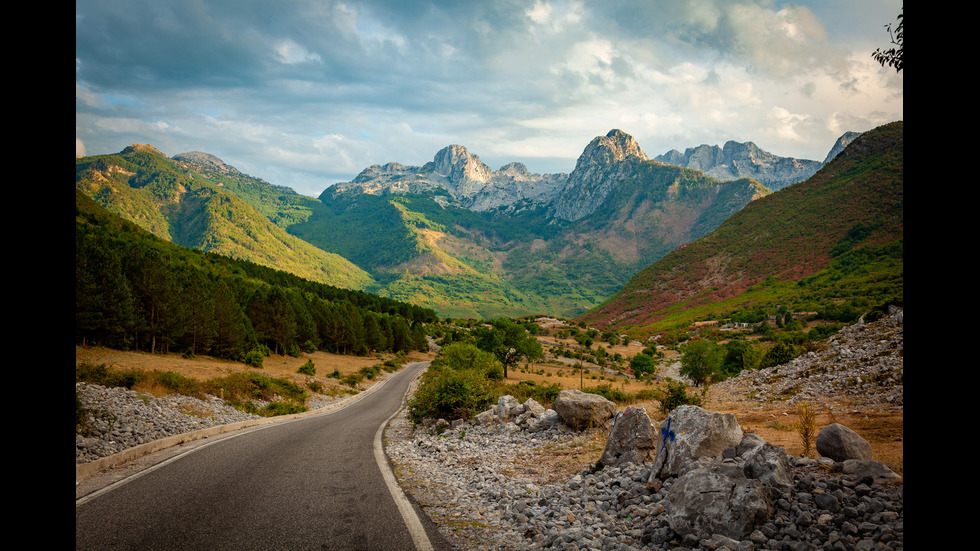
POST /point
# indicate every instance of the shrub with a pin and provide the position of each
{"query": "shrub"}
(309, 347)
(307, 369)
(281, 408)
(179, 384)
(806, 425)
(369, 372)
(643, 364)
(450, 394)
(254, 358)
(352, 379)
(674, 394)
(778, 354)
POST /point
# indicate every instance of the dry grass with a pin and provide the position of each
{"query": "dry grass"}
(203, 368)
(774, 422)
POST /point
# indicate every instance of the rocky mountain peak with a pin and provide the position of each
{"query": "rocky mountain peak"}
(514, 169)
(146, 148)
(613, 147)
(598, 168)
(840, 144)
(205, 162)
(744, 160)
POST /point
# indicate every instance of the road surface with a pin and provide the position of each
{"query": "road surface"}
(310, 483)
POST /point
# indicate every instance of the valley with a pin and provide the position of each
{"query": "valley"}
(627, 267)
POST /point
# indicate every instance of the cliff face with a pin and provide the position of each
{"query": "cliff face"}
(746, 160)
(606, 161)
(462, 179)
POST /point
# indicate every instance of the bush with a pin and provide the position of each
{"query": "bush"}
(806, 425)
(179, 384)
(307, 369)
(674, 394)
(450, 394)
(369, 372)
(352, 379)
(643, 364)
(522, 390)
(281, 408)
(778, 354)
(254, 358)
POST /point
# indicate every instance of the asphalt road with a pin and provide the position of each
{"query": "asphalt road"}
(311, 483)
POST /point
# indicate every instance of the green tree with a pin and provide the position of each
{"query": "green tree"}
(643, 364)
(508, 341)
(458, 384)
(779, 354)
(893, 56)
(701, 361)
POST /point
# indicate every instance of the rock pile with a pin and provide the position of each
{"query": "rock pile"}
(864, 361)
(120, 419)
(710, 487)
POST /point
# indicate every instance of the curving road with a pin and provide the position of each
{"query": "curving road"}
(310, 483)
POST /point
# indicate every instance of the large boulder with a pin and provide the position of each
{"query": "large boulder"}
(770, 464)
(704, 502)
(508, 408)
(690, 433)
(547, 420)
(580, 410)
(632, 439)
(841, 443)
(868, 470)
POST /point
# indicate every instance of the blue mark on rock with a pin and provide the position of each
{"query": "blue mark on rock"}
(666, 434)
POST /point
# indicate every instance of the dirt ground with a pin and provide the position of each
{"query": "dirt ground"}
(774, 422)
(205, 367)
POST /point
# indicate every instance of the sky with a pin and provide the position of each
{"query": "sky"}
(307, 93)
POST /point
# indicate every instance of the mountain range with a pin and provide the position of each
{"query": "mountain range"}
(453, 234)
(747, 160)
(834, 242)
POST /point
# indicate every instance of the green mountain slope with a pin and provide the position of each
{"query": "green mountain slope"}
(835, 238)
(191, 209)
(511, 262)
(134, 290)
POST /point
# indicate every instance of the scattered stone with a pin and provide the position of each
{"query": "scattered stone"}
(690, 433)
(580, 410)
(841, 443)
(632, 439)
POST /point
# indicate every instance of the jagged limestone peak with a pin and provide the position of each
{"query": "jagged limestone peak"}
(613, 147)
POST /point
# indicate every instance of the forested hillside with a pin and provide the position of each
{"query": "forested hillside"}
(136, 291)
(832, 246)
(227, 212)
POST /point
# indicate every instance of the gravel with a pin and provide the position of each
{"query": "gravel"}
(121, 419)
(491, 488)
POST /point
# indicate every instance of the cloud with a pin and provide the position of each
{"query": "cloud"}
(291, 53)
(311, 91)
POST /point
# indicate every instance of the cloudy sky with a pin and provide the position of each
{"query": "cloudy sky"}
(307, 93)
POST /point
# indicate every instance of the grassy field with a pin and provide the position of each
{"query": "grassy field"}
(775, 422)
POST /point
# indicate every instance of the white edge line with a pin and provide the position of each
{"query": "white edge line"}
(415, 528)
(333, 408)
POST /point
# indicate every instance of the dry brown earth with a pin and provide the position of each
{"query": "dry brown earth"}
(773, 421)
